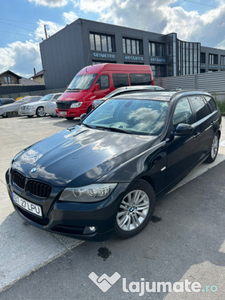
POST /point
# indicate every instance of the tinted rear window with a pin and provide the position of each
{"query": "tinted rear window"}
(120, 80)
(211, 102)
(140, 79)
(200, 107)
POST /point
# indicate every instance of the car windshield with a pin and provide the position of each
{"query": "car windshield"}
(82, 82)
(46, 98)
(145, 117)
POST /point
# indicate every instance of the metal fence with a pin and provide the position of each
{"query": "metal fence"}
(213, 82)
(33, 92)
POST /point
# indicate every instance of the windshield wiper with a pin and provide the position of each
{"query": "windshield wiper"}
(119, 130)
(88, 126)
(113, 129)
(76, 89)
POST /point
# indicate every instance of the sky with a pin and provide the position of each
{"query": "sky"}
(22, 23)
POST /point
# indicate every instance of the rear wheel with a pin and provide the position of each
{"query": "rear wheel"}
(214, 149)
(40, 111)
(135, 210)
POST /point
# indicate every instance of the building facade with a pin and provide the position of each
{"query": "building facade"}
(86, 42)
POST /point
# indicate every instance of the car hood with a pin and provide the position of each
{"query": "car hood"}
(79, 156)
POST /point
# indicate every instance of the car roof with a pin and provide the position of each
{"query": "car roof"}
(161, 95)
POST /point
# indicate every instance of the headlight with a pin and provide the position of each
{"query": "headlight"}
(29, 107)
(88, 193)
(76, 104)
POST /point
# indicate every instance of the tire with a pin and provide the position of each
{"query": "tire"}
(40, 111)
(69, 118)
(214, 149)
(30, 116)
(132, 218)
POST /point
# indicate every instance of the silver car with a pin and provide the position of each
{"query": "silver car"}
(38, 107)
(127, 89)
(12, 109)
(51, 106)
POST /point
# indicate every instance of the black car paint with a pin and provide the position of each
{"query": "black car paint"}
(103, 156)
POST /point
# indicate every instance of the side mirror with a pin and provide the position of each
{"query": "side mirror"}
(97, 87)
(82, 117)
(183, 129)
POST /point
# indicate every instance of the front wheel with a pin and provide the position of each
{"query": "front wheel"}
(40, 111)
(214, 149)
(135, 210)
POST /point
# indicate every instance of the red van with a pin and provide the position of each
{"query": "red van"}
(94, 82)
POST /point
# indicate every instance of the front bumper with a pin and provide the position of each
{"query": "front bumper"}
(69, 113)
(27, 112)
(70, 218)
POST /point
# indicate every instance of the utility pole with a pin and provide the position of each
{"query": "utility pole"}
(45, 29)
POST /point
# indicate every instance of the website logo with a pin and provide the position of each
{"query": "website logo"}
(104, 282)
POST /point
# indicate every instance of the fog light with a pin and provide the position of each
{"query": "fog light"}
(92, 228)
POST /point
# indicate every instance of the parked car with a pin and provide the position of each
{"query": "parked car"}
(127, 89)
(12, 109)
(103, 175)
(5, 101)
(51, 106)
(38, 107)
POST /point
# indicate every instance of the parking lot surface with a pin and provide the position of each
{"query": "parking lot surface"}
(185, 241)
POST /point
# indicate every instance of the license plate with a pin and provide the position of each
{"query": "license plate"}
(62, 112)
(27, 205)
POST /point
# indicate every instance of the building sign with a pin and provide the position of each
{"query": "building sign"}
(213, 66)
(104, 55)
(134, 58)
(157, 60)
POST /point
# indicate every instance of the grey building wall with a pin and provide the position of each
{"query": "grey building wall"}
(62, 56)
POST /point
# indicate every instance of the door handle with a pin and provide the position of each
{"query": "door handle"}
(196, 134)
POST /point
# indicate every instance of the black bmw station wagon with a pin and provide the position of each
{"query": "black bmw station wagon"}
(103, 175)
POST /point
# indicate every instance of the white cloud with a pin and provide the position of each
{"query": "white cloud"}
(51, 28)
(70, 17)
(97, 6)
(20, 58)
(51, 3)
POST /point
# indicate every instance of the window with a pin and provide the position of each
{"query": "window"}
(222, 60)
(156, 49)
(102, 42)
(7, 80)
(211, 102)
(200, 107)
(103, 82)
(120, 80)
(140, 79)
(202, 58)
(132, 46)
(213, 59)
(182, 113)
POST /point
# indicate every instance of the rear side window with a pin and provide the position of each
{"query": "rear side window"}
(120, 80)
(140, 79)
(211, 102)
(103, 82)
(200, 107)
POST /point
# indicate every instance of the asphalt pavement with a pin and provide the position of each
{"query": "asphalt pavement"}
(185, 240)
